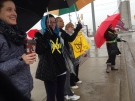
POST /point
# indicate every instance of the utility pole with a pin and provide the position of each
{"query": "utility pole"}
(93, 18)
(69, 17)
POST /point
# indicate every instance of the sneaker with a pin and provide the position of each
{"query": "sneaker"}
(74, 87)
(108, 69)
(74, 97)
(79, 81)
(67, 97)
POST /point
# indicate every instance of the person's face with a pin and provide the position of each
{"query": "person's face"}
(70, 29)
(60, 23)
(8, 13)
(112, 28)
(52, 22)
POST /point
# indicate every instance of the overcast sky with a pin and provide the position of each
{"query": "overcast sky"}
(102, 9)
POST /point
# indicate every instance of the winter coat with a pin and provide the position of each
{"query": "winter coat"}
(49, 49)
(11, 65)
(51, 64)
(8, 92)
(111, 42)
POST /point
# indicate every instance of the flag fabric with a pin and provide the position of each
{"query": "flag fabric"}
(120, 25)
(80, 45)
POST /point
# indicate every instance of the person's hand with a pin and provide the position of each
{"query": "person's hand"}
(48, 34)
(123, 40)
(38, 36)
(29, 58)
(50, 30)
(79, 26)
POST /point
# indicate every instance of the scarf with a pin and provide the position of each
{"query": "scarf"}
(69, 32)
(12, 34)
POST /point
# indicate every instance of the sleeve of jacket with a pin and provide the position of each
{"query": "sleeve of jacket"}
(68, 37)
(10, 66)
(41, 43)
(119, 39)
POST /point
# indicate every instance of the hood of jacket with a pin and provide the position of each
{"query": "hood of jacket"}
(44, 26)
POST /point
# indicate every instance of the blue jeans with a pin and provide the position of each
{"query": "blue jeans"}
(67, 85)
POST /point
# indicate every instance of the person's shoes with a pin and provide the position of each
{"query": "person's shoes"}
(113, 67)
(74, 97)
(67, 97)
(79, 82)
(108, 69)
(74, 87)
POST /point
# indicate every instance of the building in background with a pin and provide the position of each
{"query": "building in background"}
(124, 9)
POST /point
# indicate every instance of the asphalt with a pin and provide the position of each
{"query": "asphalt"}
(98, 85)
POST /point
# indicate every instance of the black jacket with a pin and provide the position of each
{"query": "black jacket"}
(67, 38)
(112, 47)
(51, 61)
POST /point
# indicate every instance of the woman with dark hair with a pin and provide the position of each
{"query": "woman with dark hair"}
(51, 68)
(14, 62)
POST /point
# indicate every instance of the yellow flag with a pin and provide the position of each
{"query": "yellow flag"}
(80, 45)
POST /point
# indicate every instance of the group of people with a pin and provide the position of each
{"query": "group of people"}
(51, 43)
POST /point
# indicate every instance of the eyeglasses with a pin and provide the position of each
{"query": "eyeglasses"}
(52, 22)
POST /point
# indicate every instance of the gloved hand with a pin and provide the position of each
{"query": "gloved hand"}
(38, 36)
(48, 34)
(79, 26)
(124, 40)
(50, 30)
(41, 43)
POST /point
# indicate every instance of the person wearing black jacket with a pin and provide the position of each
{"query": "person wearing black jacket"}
(112, 48)
(66, 38)
(51, 68)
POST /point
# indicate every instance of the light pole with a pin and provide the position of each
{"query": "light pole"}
(93, 18)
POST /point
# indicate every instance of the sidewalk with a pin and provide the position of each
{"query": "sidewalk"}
(129, 48)
(97, 84)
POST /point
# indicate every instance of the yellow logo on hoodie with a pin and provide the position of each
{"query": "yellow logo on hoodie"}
(56, 46)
